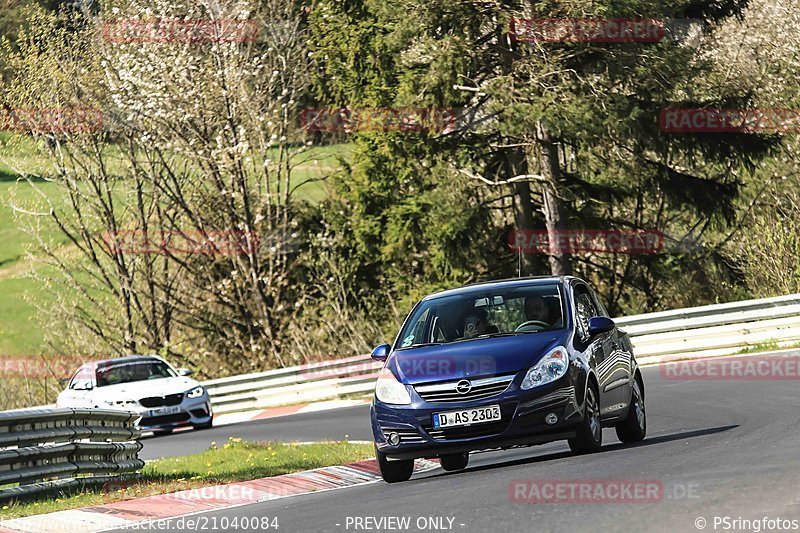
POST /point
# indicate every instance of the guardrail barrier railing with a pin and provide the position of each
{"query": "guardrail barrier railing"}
(48, 449)
(709, 330)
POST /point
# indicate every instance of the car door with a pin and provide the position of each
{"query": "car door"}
(617, 365)
(79, 389)
(594, 347)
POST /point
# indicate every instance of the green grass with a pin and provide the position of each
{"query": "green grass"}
(233, 461)
(19, 332)
(767, 346)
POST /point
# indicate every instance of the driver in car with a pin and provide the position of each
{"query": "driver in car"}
(536, 308)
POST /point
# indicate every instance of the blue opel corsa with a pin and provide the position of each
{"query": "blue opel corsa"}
(502, 364)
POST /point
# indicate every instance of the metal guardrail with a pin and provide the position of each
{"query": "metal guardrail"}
(714, 329)
(311, 382)
(48, 449)
(705, 331)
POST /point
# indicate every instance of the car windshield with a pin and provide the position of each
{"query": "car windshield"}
(516, 310)
(131, 371)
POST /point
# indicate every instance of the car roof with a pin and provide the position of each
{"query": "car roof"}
(500, 284)
(126, 359)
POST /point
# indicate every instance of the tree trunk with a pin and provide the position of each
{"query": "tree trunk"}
(516, 164)
(554, 216)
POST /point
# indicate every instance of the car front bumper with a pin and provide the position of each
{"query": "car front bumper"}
(522, 421)
(190, 412)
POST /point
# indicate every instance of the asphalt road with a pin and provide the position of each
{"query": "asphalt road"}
(718, 449)
(351, 423)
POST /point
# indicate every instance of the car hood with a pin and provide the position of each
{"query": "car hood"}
(145, 389)
(473, 358)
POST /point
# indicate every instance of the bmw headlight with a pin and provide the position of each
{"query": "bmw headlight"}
(195, 393)
(551, 367)
(389, 390)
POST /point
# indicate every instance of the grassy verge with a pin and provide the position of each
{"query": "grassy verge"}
(232, 461)
(20, 333)
(767, 346)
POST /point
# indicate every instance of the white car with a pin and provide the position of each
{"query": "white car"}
(166, 398)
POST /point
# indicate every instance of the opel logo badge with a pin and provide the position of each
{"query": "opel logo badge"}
(463, 386)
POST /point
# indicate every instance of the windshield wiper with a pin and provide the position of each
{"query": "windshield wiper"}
(505, 334)
(421, 345)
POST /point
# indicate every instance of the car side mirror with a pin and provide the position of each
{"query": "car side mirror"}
(381, 352)
(64, 382)
(185, 372)
(600, 324)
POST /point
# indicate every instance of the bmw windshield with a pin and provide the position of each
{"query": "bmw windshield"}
(128, 372)
(484, 314)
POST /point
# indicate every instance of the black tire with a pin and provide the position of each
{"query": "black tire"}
(590, 433)
(394, 471)
(159, 432)
(634, 428)
(454, 461)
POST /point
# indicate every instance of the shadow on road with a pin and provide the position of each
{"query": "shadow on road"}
(659, 439)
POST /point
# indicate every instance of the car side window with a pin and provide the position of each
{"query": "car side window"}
(417, 330)
(82, 380)
(601, 309)
(585, 309)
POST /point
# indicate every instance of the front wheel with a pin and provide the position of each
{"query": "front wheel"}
(207, 425)
(454, 461)
(634, 428)
(394, 471)
(590, 433)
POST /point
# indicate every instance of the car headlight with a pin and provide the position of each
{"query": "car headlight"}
(195, 393)
(551, 367)
(389, 390)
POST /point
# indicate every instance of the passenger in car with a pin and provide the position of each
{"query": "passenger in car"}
(476, 323)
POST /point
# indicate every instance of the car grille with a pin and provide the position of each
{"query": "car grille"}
(165, 419)
(158, 401)
(199, 413)
(481, 388)
(406, 434)
(468, 432)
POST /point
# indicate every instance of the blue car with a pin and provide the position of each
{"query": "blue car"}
(504, 364)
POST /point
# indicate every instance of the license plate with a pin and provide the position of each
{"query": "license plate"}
(173, 410)
(467, 417)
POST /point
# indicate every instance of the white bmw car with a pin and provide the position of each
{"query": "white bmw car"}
(165, 397)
